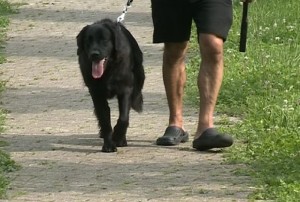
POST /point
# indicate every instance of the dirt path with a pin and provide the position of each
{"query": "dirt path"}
(52, 130)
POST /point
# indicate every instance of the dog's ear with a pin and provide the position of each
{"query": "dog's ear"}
(80, 39)
(119, 37)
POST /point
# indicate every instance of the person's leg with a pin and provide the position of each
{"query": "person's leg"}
(209, 83)
(209, 79)
(174, 78)
(213, 20)
(172, 26)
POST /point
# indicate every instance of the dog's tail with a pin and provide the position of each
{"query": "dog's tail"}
(137, 101)
(139, 76)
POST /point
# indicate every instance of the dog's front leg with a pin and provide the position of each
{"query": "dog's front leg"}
(120, 129)
(102, 112)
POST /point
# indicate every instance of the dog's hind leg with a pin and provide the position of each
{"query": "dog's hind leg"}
(120, 129)
(102, 112)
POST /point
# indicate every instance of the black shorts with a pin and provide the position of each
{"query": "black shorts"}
(172, 19)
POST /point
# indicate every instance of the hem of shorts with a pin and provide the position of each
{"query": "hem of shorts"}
(170, 41)
(213, 33)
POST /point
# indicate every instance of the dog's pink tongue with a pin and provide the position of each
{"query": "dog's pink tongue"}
(98, 69)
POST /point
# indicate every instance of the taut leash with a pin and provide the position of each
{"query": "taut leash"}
(122, 16)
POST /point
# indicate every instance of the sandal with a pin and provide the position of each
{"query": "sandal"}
(211, 138)
(173, 136)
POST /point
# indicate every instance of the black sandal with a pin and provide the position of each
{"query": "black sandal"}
(210, 139)
(173, 136)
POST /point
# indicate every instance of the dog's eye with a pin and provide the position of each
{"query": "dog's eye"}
(103, 41)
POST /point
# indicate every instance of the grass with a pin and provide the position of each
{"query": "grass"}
(6, 164)
(262, 87)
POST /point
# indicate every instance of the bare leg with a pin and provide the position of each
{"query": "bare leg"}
(174, 77)
(209, 79)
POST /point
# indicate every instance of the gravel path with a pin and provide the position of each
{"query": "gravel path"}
(53, 133)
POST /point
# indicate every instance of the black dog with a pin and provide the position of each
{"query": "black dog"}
(111, 64)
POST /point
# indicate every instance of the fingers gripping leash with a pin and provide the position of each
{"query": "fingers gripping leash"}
(122, 16)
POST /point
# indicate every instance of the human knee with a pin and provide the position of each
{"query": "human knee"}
(175, 52)
(211, 48)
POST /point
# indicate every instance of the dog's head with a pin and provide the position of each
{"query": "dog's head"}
(99, 42)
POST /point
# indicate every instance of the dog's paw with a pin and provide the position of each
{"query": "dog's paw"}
(109, 148)
(120, 141)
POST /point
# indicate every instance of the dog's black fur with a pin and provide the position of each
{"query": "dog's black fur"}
(110, 45)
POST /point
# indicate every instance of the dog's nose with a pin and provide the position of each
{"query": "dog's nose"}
(95, 55)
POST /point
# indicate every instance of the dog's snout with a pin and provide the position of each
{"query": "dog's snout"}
(95, 55)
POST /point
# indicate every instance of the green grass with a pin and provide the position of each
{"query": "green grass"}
(6, 164)
(262, 86)
(5, 10)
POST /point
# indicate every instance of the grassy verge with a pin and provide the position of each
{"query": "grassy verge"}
(6, 164)
(262, 86)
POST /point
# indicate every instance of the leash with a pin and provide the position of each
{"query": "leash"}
(244, 28)
(122, 16)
